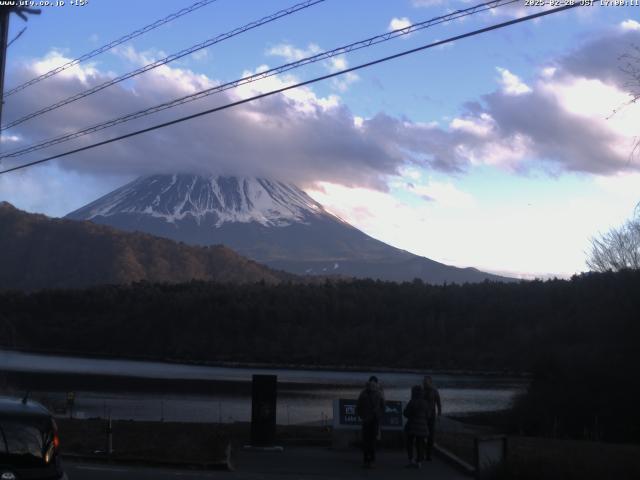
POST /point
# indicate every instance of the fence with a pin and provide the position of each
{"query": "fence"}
(177, 409)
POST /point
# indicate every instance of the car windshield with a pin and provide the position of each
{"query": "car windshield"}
(23, 442)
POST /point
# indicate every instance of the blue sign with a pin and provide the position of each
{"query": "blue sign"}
(392, 417)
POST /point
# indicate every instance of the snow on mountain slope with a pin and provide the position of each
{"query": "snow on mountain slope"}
(226, 199)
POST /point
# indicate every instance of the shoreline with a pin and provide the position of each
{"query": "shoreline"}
(273, 366)
(85, 382)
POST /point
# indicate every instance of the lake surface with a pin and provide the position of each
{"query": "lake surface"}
(311, 402)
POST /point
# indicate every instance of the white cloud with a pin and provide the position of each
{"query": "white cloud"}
(630, 25)
(303, 98)
(55, 58)
(596, 100)
(411, 173)
(291, 53)
(481, 126)
(201, 54)
(362, 206)
(298, 136)
(511, 84)
(141, 58)
(334, 64)
(469, 233)
(317, 138)
(9, 138)
(343, 82)
(444, 193)
(508, 153)
(399, 23)
(562, 126)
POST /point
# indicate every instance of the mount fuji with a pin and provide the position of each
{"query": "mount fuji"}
(274, 223)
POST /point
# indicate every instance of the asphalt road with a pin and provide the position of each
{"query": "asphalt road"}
(294, 463)
(94, 471)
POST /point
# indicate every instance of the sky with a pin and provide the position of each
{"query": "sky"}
(505, 151)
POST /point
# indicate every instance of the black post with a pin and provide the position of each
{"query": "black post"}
(264, 389)
(109, 432)
(5, 12)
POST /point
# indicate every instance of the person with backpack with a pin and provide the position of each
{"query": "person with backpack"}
(370, 408)
(416, 412)
(432, 396)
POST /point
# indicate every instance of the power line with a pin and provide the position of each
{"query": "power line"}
(297, 85)
(187, 51)
(259, 76)
(110, 45)
(18, 35)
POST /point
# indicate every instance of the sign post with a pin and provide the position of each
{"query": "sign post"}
(71, 399)
(263, 410)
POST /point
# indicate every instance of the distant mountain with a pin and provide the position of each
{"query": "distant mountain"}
(274, 223)
(41, 252)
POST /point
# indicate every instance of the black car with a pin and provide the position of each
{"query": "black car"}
(29, 442)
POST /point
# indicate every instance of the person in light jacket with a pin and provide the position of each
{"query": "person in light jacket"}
(416, 428)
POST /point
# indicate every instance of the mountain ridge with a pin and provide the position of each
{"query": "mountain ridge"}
(41, 252)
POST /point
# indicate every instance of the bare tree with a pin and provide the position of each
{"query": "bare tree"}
(631, 68)
(618, 249)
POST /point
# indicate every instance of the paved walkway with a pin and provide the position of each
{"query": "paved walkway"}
(320, 463)
(299, 463)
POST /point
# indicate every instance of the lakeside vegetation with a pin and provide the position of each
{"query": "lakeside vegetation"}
(579, 337)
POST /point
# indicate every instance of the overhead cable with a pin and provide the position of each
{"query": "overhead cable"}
(297, 85)
(109, 46)
(165, 60)
(258, 76)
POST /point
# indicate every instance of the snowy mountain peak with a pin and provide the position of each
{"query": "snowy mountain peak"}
(217, 199)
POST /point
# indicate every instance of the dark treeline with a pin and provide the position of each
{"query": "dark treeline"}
(579, 335)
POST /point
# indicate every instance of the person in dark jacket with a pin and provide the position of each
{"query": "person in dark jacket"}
(370, 408)
(416, 428)
(432, 396)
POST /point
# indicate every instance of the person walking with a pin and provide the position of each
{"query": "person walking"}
(432, 396)
(416, 412)
(370, 408)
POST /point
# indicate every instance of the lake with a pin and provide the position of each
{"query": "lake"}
(306, 398)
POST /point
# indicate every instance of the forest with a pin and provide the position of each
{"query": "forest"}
(578, 337)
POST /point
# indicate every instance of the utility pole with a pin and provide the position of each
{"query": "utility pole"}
(4, 38)
(5, 13)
